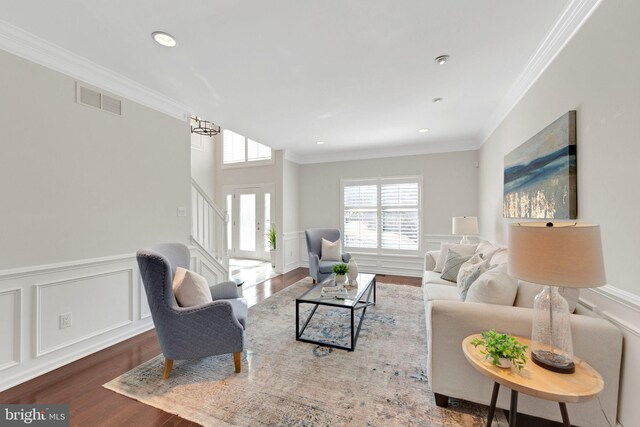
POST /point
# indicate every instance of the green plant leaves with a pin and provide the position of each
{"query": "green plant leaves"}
(501, 346)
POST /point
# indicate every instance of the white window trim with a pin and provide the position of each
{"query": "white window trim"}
(378, 181)
(246, 162)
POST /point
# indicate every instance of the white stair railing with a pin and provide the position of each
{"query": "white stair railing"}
(208, 224)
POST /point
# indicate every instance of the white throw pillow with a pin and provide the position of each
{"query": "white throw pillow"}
(467, 266)
(444, 251)
(486, 249)
(500, 257)
(471, 275)
(527, 292)
(494, 287)
(330, 250)
(190, 289)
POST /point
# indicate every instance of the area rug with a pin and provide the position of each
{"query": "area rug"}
(285, 382)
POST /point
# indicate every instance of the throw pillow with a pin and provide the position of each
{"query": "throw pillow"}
(467, 267)
(474, 271)
(190, 289)
(456, 247)
(494, 287)
(487, 250)
(330, 250)
(452, 265)
(527, 292)
(500, 257)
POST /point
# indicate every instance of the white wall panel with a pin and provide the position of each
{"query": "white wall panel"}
(10, 328)
(98, 303)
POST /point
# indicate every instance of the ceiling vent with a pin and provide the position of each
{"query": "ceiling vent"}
(93, 98)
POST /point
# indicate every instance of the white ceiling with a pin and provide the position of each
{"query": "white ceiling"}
(359, 75)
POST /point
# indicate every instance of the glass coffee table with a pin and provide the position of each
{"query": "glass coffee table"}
(359, 298)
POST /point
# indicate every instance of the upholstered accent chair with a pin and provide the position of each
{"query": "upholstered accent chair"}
(318, 269)
(190, 332)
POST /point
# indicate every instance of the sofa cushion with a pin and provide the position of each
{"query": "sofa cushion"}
(190, 289)
(452, 265)
(434, 292)
(527, 292)
(434, 277)
(493, 287)
(330, 250)
(444, 251)
(470, 276)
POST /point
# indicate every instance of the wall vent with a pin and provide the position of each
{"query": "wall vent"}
(93, 98)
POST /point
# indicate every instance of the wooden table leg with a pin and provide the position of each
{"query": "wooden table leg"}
(513, 409)
(565, 414)
(492, 407)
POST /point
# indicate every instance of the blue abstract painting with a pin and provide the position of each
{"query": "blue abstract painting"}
(540, 175)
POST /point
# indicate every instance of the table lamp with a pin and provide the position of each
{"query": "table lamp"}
(465, 226)
(555, 254)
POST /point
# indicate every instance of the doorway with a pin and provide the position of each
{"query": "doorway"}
(250, 211)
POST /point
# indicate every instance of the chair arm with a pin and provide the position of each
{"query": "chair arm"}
(430, 260)
(346, 257)
(314, 262)
(224, 290)
(218, 312)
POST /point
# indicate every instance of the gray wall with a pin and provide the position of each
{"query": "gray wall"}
(596, 74)
(78, 183)
(449, 187)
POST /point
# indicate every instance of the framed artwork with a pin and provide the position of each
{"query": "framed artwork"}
(540, 175)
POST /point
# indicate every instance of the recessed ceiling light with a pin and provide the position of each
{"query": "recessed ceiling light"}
(423, 130)
(437, 100)
(320, 142)
(165, 39)
(442, 59)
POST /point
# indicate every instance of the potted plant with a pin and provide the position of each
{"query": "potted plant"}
(271, 235)
(503, 350)
(340, 270)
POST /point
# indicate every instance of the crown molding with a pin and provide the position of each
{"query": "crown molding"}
(33, 48)
(574, 15)
(386, 152)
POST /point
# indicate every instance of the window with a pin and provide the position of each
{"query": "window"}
(382, 214)
(238, 149)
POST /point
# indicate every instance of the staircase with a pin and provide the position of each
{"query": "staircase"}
(209, 228)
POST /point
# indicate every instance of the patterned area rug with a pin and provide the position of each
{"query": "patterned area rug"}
(285, 382)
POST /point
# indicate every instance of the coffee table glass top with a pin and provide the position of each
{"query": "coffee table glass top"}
(363, 282)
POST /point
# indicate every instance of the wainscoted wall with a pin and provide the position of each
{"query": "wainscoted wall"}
(294, 246)
(399, 265)
(623, 309)
(106, 300)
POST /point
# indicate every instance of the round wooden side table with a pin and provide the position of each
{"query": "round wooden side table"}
(584, 384)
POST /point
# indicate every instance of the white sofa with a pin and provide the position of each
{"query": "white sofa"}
(449, 321)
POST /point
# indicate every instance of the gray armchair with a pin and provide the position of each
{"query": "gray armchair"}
(190, 332)
(320, 270)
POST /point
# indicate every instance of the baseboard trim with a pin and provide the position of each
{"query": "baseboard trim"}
(61, 361)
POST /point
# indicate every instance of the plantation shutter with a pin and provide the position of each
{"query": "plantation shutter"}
(233, 147)
(257, 151)
(361, 216)
(399, 204)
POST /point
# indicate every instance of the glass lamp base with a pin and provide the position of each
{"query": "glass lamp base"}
(553, 362)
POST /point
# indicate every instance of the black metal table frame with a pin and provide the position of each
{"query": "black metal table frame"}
(359, 305)
(513, 408)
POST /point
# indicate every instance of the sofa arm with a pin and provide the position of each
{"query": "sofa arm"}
(430, 260)
(595, 340)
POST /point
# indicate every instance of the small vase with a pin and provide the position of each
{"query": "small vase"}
(340, 279)
(353, 270)
(504, 363)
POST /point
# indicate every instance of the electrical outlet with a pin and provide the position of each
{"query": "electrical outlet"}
(182, 211)
(66, 320)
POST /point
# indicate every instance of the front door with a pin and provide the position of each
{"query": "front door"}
(250, 219)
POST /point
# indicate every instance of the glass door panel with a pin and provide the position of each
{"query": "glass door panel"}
(248, 225)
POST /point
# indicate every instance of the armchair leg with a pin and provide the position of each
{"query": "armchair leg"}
(237, 361)
(168, 365)
(441, 400)
(314, 281)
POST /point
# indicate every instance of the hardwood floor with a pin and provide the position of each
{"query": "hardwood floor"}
(80, 383)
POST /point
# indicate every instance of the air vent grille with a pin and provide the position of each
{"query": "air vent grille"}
(95, 99)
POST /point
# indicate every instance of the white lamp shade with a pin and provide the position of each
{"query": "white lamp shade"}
(565, 254)
(465, 225)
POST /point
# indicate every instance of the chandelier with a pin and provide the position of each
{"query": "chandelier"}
(203, 127)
